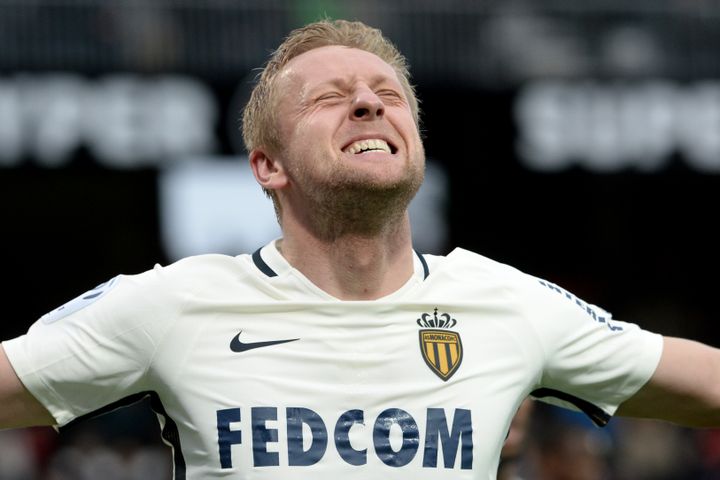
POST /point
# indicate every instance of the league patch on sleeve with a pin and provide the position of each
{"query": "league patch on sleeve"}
(76, 304)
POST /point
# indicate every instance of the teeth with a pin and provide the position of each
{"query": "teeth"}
(368, 145)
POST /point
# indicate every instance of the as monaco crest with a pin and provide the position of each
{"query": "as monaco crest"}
(441, 349)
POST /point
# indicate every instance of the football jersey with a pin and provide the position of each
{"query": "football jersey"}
(256, 373)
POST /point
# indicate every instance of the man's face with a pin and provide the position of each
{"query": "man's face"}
(346, 126)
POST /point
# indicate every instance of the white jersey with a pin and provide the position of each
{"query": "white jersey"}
(256, 373)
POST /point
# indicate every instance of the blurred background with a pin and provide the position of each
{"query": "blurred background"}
(577, 141)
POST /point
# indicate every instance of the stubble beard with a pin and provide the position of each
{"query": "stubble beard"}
(345, 203)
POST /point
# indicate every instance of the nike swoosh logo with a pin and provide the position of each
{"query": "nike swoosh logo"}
(237, 346)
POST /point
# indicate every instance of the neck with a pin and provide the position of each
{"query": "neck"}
(352, 266)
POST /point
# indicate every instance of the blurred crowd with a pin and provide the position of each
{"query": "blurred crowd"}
(121, 445)
(550, 443)
(544, 443)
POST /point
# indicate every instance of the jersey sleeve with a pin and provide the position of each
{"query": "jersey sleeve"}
(592, 362)
(96, 349)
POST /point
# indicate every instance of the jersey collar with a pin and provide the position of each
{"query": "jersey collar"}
(271, 263)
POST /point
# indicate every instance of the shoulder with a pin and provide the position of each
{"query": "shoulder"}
(186, 275)
(483, 276)
(207, 264)
(465, 265)
(190, 270)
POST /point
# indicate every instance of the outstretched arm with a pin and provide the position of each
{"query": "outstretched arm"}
(685, 388)
(18, 407)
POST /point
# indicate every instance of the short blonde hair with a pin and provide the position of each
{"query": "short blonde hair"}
(259, 122)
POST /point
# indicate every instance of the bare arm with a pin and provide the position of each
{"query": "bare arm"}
(19, 407)
(685, 388)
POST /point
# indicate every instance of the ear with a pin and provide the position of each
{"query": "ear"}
(268, 172)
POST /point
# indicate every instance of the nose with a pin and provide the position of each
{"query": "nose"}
(367, 106)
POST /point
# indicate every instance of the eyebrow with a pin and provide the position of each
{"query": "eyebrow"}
(343, 84)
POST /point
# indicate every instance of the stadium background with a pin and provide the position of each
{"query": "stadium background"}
(578, 142)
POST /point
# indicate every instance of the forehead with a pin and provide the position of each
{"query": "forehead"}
(333, 63)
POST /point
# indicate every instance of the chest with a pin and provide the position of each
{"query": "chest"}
(382, 387)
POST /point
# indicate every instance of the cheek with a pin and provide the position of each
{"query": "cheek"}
(303, 130)
(296, 138)
(415, 144)
(404, 122)
(308, 147)
(322, 123)
(313, 138)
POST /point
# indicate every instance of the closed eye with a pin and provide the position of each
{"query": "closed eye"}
(389, 95)
(328, 96)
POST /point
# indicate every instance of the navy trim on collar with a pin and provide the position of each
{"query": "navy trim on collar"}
(261, 265)
(265, 268)
(426, 269)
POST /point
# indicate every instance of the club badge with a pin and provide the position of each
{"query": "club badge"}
(441, 348)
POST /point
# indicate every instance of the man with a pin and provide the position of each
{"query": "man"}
(337, 351)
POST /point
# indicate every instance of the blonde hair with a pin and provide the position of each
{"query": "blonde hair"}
(259, 121)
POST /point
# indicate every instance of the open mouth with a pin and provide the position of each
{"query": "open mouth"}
(370, 145)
